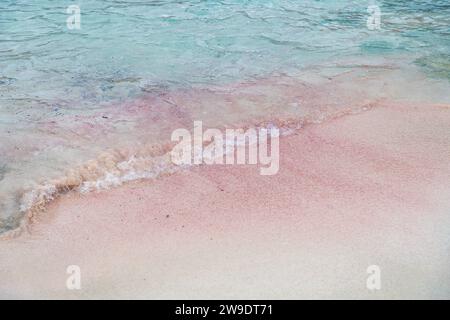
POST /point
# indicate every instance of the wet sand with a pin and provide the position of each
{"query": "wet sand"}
(360, 190)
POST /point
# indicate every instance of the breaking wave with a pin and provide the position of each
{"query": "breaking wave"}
(116, 167)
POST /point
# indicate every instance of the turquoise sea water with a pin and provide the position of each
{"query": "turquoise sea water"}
(125, 49)
(135, 45)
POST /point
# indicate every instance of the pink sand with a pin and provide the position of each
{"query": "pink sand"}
(367, 189)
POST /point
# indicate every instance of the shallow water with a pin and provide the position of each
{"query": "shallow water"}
(139, 69)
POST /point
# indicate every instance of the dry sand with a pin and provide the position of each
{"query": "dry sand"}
(366, 189)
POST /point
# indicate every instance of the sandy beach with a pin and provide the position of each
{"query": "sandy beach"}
(360, 190)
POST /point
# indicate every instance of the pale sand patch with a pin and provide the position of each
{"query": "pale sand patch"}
(364, 189)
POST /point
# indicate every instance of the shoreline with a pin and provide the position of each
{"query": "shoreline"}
(84, 151)
(369, 188)
(144, 164)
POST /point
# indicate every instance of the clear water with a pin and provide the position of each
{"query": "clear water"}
(52, 78)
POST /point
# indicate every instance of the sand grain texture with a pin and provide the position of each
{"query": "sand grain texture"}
(364, 189)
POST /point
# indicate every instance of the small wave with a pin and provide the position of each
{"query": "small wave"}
(114, 168)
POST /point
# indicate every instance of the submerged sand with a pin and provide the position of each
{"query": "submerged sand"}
(360, 190)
